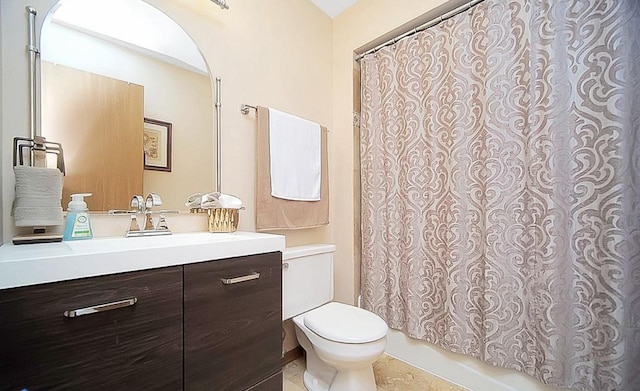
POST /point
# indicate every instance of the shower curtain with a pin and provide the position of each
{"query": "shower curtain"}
(500, 169)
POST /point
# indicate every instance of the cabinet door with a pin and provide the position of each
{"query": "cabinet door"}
(122, 347)
(232, 328)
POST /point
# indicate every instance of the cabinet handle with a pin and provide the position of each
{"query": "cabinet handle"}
(248, 277)
(101, 308)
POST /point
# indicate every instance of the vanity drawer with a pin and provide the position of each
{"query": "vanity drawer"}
(121, 346)
(232, 322)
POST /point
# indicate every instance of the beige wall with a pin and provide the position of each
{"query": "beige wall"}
(274, 53)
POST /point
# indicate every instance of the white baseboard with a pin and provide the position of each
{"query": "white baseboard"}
(463, 370)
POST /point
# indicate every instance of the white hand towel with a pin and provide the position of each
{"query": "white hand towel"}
(211, 201)
(230, 202)
(194, 201)
(216, 200)
(294, 151)
(38, 181)
(37, 197)
(37, 216)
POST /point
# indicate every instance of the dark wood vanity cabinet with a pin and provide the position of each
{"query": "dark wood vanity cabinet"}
(207, 326)
(45, 345)
(233, 324)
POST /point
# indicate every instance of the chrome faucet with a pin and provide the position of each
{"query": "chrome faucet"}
(151, 201)
(142, 208)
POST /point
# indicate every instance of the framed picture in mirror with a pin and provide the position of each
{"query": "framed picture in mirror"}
(157, 145)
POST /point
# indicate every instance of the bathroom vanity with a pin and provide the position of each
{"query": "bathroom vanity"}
(190, 311)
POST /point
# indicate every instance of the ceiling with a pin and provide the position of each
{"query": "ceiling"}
(333, 7)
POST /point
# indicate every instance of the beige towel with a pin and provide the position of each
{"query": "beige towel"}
(275, 213)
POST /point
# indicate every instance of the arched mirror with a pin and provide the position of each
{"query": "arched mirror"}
(127, 93)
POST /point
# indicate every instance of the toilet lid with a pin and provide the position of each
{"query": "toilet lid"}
(345, 323)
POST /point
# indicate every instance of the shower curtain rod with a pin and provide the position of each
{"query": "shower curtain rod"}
(422, 27)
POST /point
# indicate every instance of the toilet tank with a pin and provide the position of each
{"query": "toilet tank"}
(307, 278)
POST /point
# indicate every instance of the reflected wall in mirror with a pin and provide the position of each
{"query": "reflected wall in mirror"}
(105, 66)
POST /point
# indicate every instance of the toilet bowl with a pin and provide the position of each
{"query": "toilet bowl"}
(341, 342)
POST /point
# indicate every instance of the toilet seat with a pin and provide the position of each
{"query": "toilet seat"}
(345, 323)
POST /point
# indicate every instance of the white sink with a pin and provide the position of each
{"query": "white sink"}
(137, 243)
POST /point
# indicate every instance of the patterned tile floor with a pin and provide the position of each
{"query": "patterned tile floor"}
(391, 375)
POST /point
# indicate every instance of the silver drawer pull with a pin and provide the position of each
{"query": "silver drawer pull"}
(248, 277)
(101, 308)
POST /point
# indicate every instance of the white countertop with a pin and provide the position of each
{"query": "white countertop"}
(30, 264)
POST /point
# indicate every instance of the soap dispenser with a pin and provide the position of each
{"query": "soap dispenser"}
(78, 225)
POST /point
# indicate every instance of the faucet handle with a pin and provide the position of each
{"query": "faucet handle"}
(137, 203)
(153, 199)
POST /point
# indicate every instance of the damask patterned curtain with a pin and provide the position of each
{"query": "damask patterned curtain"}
(500, 160)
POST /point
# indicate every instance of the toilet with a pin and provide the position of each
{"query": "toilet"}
(341, 341)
